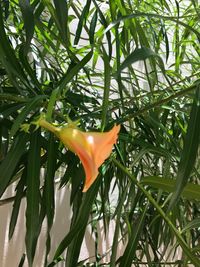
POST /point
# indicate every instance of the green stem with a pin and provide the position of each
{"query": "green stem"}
(158, 103)
(180, 239)
(45, 124)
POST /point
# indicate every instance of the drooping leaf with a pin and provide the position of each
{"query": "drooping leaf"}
(61, 13)
(9, 163)
(81, 221)
(190, 149)
(21, 263)
(105, 24)
(48, 192)
(8, 58)
(33, 196)
(191, 191)
(130, 251)
(74, 71)
(138, 54)
(82, 20)
(93, 27)
(28, 17)
(20, 193)
(192, 224)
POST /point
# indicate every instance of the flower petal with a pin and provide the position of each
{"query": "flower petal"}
(90, 168)
(101, 144)
(92, 148)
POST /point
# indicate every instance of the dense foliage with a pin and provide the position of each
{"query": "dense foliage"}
(134, 63)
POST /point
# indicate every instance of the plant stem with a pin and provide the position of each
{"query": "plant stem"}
(45, 124)
(180, 239)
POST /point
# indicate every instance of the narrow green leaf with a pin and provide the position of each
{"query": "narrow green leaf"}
(33, 196)
(73, 250)
(61, 13)
(142, 53)
(71, 162)
(49, 179)
(12, 97)
(52, 100)
(186, 249)
(69, 75)
(154, 15)
(53, 263)
(190, 149)
(117, 228)
(166, 40)
(21, 263)
(27, 66)
(113, 9)
(18, 197)
(5, 45)
(118, 62)
(93, 27)
(28, 17)
(191, 191)
(7, 109)
(105, 24)
(32, 104)
(107, 80)
(7, 56)
(130, 251)
(81, 22)
(48, 193)
(192, 224)
(8, 165)
(82, 219)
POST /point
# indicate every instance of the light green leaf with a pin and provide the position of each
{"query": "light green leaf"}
(32, 104)
(190, 192)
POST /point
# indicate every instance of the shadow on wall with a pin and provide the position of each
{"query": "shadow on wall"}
(12, 251)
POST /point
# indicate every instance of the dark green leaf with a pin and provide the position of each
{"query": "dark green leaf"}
(130, 251)
(61, 13)
(28, 17)
(82, 218)
(48, 193)
(22, 260)
(82, 20)
(8, 57)
(16, 206)
(93, 27)
(33, 196)
(11, 160)
(190, 149)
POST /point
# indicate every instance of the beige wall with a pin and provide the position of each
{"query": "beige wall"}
(11, 251)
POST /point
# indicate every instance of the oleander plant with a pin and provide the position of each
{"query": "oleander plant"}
(102, 98)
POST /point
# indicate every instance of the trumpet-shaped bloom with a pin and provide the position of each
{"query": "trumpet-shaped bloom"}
(92, 148)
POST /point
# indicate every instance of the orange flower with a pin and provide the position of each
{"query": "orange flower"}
(92, 148)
